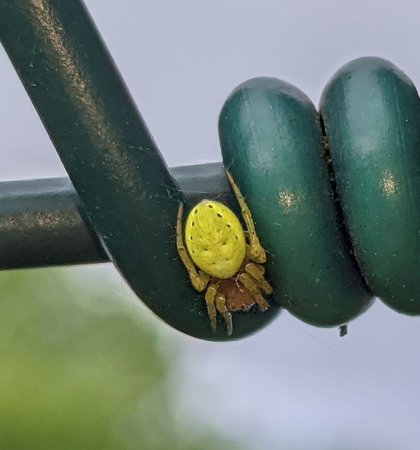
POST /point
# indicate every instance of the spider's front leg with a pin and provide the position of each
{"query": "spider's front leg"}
(257, 273)
(199, 279)
(217, 301)
(227, 316)
(256, 251)
(211, 307)
(250, 284)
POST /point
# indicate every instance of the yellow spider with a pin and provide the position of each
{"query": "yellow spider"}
(220, 260)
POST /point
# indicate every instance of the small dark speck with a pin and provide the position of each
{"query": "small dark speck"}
(195, 211)
(236, 236)
(224, 243)
(343, 330)
(228, 225)
(219, 215)
(210, 206)
(193, 223)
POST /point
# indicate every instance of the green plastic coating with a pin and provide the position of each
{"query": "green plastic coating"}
(126, 190)
(41, 223)
(271, 140)
(371, 112)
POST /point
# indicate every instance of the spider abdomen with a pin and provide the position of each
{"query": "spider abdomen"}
(215, 239)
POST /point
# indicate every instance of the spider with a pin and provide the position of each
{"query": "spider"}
(223, 259)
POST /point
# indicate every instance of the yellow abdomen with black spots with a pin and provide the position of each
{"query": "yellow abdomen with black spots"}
(215, 239)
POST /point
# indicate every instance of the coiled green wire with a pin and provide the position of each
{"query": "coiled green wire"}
(324, 269)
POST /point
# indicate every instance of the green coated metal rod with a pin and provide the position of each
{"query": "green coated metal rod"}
(126, 190)
(42, 223)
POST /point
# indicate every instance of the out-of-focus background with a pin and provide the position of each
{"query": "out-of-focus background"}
(84, 365)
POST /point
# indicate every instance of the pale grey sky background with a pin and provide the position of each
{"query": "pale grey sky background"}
(290, 386)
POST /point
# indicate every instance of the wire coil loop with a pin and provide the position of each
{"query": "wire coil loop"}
(291, 166)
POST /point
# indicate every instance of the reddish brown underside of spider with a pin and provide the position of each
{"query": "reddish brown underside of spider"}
(238, 298)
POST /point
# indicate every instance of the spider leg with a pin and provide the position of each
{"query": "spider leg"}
(199, 279)
(211, 308)
(257, 272)
(222, 308)
(251, 286)
(256, 253)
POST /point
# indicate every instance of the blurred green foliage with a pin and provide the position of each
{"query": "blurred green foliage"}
(81, 369)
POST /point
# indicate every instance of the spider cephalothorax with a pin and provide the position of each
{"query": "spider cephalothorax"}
(221, 259)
